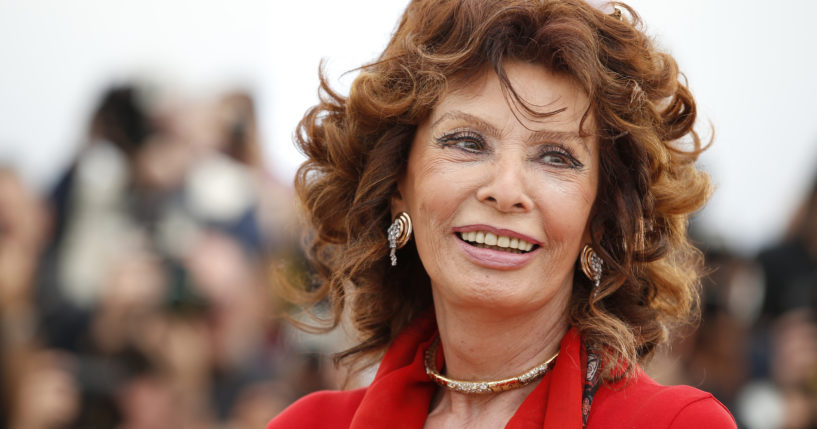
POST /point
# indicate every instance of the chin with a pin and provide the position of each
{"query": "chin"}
(497, 300)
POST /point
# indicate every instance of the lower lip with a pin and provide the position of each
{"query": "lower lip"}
(496, 259)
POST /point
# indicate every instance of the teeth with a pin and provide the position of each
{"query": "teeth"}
(491, 239)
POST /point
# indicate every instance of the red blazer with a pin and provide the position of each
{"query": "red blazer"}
(400, 395)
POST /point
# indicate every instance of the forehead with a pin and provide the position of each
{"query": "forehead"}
(532, 94)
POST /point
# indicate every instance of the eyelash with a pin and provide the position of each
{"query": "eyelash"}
(458, 137)
(569, 160)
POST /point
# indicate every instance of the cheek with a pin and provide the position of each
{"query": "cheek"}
(566, 208)
(435, 193)
(431, 209)
(438, 189)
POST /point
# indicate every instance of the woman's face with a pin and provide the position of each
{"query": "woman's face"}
(500, 201)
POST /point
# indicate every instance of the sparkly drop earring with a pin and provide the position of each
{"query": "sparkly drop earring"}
(398, 234)
(591, 265)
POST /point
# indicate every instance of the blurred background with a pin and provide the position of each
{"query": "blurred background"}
(145, 198)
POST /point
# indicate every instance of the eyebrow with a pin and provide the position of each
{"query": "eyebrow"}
(536, 136)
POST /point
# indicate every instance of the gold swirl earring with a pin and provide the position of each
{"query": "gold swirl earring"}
(399, 233)
(592, 265)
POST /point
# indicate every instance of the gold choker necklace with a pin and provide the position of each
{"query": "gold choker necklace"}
(480, 387)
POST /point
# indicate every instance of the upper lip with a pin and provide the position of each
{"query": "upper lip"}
(497, 231)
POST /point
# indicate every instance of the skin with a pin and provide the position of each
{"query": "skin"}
(479, 162)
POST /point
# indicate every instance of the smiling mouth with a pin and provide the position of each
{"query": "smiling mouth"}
(489, 240)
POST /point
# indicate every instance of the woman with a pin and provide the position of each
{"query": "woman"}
(528, 167)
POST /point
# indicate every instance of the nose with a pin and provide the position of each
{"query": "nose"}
(505, 187)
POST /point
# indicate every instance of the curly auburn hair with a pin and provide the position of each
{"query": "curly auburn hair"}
(358, 146)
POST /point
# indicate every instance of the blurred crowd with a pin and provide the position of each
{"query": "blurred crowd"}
(137, 293)
(755, 346)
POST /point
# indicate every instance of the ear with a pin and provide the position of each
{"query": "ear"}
(588, 235)
(396, 202)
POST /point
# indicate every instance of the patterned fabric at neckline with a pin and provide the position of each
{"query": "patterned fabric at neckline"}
(592, 381)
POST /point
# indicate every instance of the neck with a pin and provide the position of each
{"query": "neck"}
(487, 345)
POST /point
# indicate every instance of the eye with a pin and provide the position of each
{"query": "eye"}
(555, 159)
(467, 140)
(559, 157)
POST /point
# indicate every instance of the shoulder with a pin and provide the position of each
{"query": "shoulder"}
(641, 402)
(324, 409)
